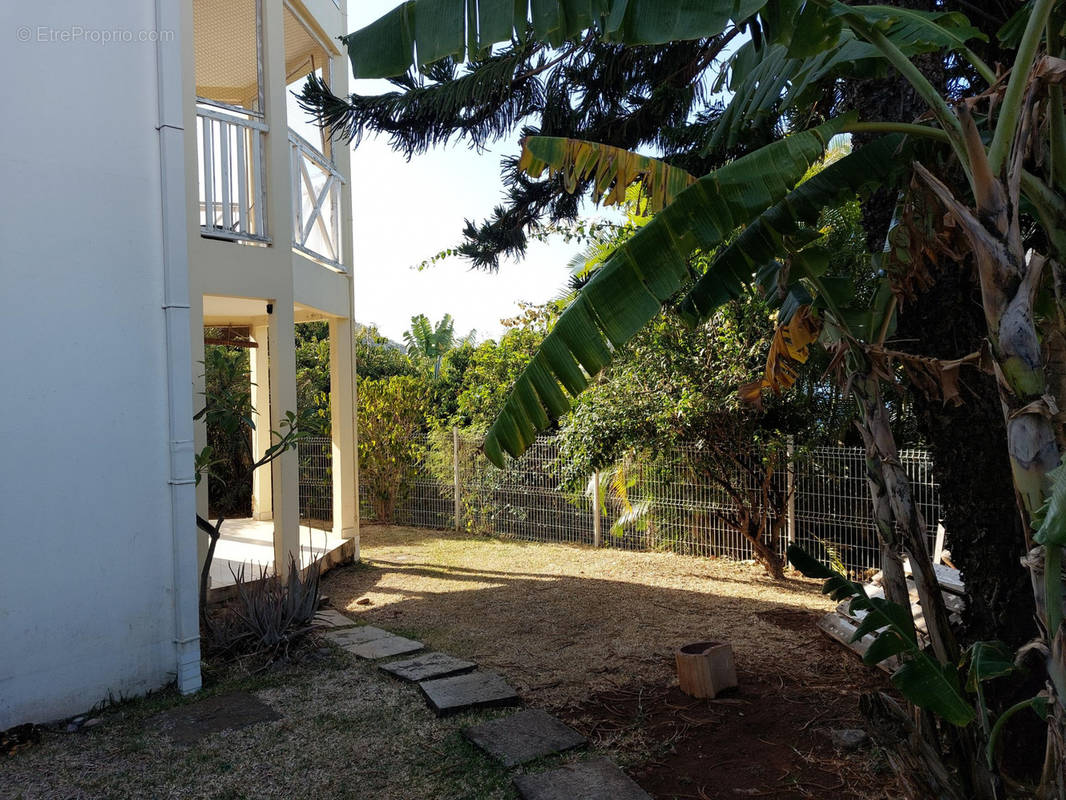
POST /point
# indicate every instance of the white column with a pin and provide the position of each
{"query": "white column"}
(342, 423)
(285, 472)
(262, 494)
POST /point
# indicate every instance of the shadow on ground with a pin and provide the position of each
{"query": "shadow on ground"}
(591, 634)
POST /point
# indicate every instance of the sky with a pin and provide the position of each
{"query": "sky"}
(405, 212)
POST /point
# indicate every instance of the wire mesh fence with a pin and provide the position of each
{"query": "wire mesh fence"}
(662, 501)
(315, 455)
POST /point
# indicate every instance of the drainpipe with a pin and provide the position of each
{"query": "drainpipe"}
(175, 260)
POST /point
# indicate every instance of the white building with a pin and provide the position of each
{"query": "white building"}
(152, 186)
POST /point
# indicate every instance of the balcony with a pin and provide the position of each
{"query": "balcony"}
(316, 203)
(230, 156)
(233, 192)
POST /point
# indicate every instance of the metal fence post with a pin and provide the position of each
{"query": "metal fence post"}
(455, 477)
(597, 532)
(790, 487)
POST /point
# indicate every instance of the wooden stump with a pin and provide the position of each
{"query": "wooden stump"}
(706, 668)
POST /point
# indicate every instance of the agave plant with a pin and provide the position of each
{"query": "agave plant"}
(1006, 138)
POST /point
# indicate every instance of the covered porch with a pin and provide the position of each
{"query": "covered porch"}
(249, 543)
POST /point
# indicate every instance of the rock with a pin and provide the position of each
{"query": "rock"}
(331, 618)
(364, 601)
(848, 738)
(92, 723)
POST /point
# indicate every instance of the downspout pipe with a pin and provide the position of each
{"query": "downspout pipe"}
(175, 263)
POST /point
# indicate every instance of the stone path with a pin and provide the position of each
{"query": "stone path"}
(372, 643)
(332, 618)
(524, 736)
(588, 780)
(448, 696)
(428, 666)
(451, 685)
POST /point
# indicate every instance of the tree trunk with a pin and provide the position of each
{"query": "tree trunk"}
(214, 532)
(890, 486)
(1008, 288)
(967, 443)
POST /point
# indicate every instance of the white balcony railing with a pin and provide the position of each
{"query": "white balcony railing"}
(316, 199)
(232, 191)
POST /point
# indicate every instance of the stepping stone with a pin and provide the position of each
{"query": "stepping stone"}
(372, 643)
(332, 618)
(524, 736)
(428, 666)
(589, 780)
(474, 690)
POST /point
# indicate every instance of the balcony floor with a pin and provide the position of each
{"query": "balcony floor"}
(251, 543)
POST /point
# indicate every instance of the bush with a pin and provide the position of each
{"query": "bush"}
(268, 617)
(392, 418)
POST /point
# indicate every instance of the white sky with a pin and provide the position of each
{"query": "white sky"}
(405, 212)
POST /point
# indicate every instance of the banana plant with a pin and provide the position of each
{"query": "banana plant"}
(1008, 140)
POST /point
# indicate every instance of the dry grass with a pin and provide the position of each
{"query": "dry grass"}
(345, 732)
(564, 622)
(561, 623)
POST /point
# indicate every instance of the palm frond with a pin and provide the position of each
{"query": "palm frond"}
(612, 170)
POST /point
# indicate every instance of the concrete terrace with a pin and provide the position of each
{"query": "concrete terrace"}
(250, 543)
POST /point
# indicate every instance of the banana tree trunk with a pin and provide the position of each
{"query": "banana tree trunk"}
(900, 524)
(894, 579)
(1009, 282)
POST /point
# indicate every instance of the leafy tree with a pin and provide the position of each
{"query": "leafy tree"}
(227, 383)
(312, 375)
(492, 369)
(392, 417)
(231, 414)
(1008, 164)
(673, 385)
(377, 356)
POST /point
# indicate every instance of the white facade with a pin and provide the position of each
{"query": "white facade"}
(107, 283)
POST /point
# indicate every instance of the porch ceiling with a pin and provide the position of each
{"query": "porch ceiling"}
(221, 311)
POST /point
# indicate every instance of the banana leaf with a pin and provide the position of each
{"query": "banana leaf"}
(765, 82)
(1049, 521)
(763, 238)
(645, 272)
(420, 32)
(913, 31)
(926, 683)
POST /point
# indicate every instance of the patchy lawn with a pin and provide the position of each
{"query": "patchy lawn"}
(586, 634)
(590, 635)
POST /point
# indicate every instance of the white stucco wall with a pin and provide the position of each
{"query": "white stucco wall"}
(86, 547)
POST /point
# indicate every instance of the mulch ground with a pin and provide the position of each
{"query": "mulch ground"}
(590, 635)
